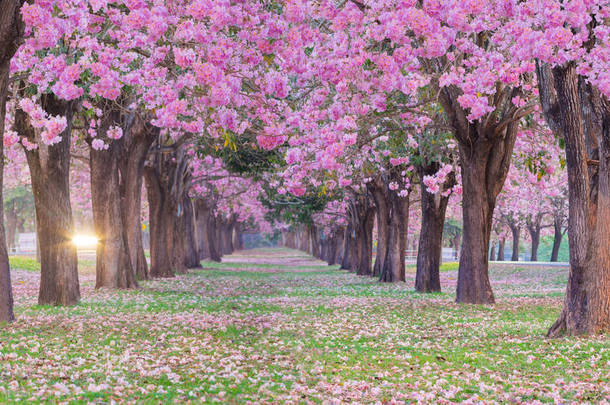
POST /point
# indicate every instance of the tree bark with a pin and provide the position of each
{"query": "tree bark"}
(192, 256)
(376, 189)
(534, 226)
(394, 264)
(205, 232)
(350, 257)
(12, 219)
(50, 175)
(113, 264)
(159, 256)
(480, 189)
(136, 142)
(516, 232)
(238, 243)
(331, 248)
(226, 235)
(501, 245)
(581, 115)
(433, 209)
(558, 236)
(365, 242)
(485, 149)
(315, 241)
(457, 240)
(492, 253)
(11, 31)
(166, 178)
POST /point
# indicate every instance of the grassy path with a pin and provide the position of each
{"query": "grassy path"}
(276, 326)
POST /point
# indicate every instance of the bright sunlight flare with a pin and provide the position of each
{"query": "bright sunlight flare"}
(83, 240)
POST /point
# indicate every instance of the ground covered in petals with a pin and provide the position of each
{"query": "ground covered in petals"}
(275, 326)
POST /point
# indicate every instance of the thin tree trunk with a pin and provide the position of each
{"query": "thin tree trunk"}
(213, 242)
(201, 223)
(365, 243)
(394, 264)
(429, 252)
(349, 249)
(178, 236)
(166, 177)
(558, 236)
(383, 227)
(457, 240)
(581, 114)
(159, 257)
(315, 241)
(192, 256)
(534, 231)
(11, 228)
(50, 176)
(226, 234)
(492, 253)
(205, 232)
(238, 243)
(516, 231)
(501, 245)
(11, 30)
(137, 141)
(340, 245)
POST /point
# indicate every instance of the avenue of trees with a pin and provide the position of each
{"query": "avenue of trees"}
(358, 129)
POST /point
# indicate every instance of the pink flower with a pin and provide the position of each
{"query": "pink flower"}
(114, 132)
(10, 138)
(98, 144)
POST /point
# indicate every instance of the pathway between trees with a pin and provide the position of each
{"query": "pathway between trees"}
(275, 325)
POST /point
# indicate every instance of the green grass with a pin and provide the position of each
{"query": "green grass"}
(24, 263)
(28, 263)
(447, 266)
(301, 333)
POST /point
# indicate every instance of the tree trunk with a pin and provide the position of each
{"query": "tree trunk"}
(350, 256)
(492, 252)
(205, 232)
(383, 226)
(365, 242)
(516, 231)
(238, 243)
(11, 30)
(558, 236)
(581, 114)
(457, 240)
(501, 245)
(330, 248)
(534, 231)
(480, 190)
(50, 175)
(394, 264)
(213, 242)
(429, 252)
(113, 263)
(166, 176)
(159, 257)
(485, 148)
(137, 140)
(192, 256)
(340, 245)
(315, 241)
(11, 228)
(226, 235)
(178, 237)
